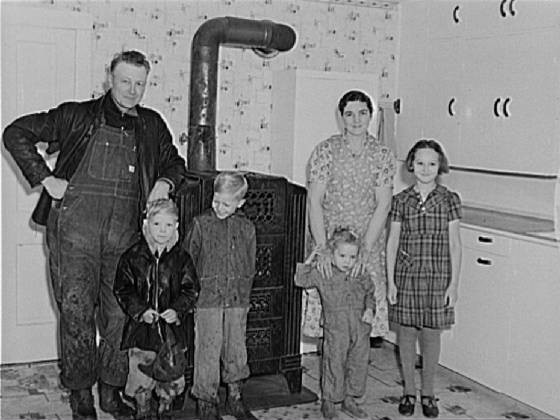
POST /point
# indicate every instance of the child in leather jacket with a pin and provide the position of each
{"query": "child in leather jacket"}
(156, 285)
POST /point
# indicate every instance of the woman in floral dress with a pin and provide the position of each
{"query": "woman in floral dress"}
(350, 184)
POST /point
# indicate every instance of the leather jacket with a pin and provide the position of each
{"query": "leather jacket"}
(143, 281)
(68, 128)
(224, 253)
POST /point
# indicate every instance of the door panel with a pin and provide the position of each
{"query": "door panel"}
(42, 54)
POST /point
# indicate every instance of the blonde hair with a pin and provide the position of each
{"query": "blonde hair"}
(166, 206)
(231, 182)
(343, 236)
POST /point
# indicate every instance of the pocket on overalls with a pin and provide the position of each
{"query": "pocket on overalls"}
(108, 162)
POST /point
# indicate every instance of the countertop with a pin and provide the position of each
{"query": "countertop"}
(509, 222)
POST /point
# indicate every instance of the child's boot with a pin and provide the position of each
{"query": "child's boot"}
(328, 410)
(208, 410)
(349, 406)
(235, 405)
(144, 403)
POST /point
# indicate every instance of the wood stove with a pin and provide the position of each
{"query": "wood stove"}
(277, 208)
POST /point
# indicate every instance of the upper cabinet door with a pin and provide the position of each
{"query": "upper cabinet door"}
(446, 19)
(412, 73)
(444, 104)
(511, 121)
(495, 17)
(473, 18)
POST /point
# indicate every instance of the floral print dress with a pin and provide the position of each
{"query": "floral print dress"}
(350, 202)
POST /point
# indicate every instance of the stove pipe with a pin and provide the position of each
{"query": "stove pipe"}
(263, 35)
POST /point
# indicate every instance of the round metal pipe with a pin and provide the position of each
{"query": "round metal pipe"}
(230, 31)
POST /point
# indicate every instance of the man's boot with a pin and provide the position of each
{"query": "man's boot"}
(81, 403)
(235, 405)
(111, 402)
(208, 410)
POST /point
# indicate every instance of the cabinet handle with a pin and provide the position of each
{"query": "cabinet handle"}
(505, 108)
(502, 10)
(496, 103)
(456, 14)
(483, 261)
(485, 239)
(450, 110)
(512, 11)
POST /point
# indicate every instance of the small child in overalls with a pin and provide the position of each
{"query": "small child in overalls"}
(348, 312)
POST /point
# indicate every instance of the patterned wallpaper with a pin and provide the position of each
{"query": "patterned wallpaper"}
(337, 35)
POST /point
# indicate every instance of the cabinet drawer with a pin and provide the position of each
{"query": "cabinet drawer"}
(485, 242)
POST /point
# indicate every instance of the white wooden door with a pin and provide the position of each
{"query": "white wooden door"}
(46, 59)
(305, 112)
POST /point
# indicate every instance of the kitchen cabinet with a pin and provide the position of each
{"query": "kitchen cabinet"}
(510, 115)
(305, 112)
(506, 334)
(444, 102)
(466, 18)
(412, 68)
(477, 344)
(534, 350)
(490, 84)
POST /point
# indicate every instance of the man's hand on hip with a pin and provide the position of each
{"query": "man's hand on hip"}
(56, 187)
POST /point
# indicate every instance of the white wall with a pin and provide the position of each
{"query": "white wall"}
(350, 36)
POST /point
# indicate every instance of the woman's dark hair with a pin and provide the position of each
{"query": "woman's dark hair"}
(428, 144)
(132, 57)
(355, 96)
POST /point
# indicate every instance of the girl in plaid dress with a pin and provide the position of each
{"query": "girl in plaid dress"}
(423, 261)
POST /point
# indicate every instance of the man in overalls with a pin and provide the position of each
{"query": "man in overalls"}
(114, 157)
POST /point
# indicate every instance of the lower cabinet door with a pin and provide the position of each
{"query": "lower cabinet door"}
(477, 344)
(534, 354)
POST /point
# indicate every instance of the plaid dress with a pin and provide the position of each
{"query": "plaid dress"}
(423, 261)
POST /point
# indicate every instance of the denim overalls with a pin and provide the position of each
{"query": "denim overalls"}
(87, 231)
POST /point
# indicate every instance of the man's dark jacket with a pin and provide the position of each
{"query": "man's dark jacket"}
(69, 127)
(143, 281)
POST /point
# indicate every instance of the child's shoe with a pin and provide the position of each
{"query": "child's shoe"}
(350, 407)
(144, 404)
(406, 405)
(235, 405)
(208, 410)
(429, 406)
(328, 410)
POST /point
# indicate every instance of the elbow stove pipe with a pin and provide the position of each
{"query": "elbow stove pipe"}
(236, 32)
